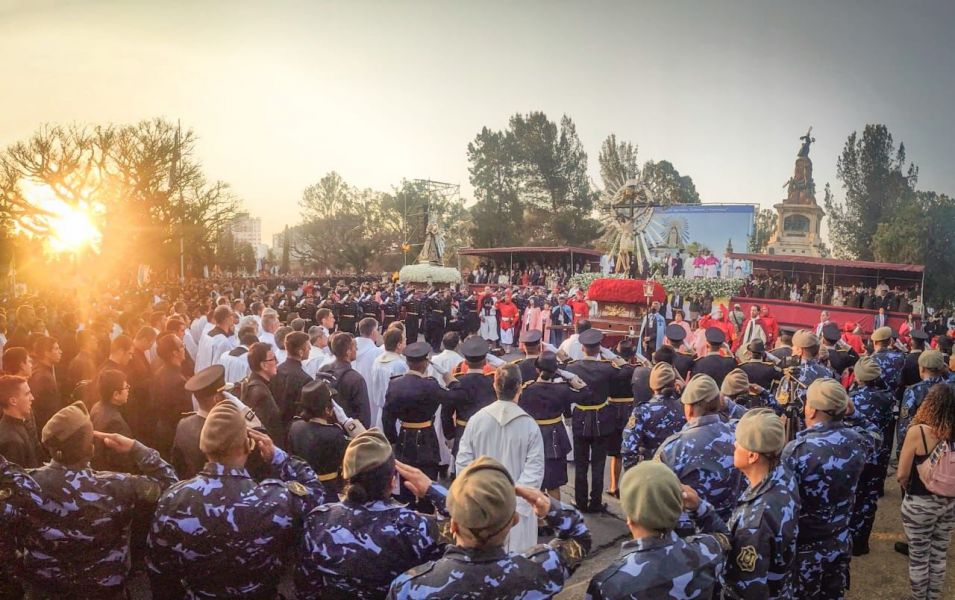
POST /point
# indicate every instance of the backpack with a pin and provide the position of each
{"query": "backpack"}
(938, 470)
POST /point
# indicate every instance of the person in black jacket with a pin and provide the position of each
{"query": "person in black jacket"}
(107, 418)
(18, 438)
(167, 392)
(317, 438)
(351, 386)
(290, 377)
(257, 395)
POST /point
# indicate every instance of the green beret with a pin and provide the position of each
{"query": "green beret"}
(482, 497)
(651, 495)
(73, 420)
(805, 339)
(867, 369)
(366, 451)
(881, 334)
(702, 388)
(662, 375)
(736, 382)
(933, 360)
(760, 430)
(827, 394)
(224, 429)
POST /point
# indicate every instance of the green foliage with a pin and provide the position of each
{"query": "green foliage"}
(763, 228)
(498, 215)
(667, 185)
(618, 161)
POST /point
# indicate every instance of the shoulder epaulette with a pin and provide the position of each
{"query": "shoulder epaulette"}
(527, 383)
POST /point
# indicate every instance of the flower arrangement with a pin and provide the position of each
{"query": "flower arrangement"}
(430, 274)
(718, 288)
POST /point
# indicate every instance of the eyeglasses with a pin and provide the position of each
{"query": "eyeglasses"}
(273, 359)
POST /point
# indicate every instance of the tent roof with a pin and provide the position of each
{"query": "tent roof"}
(529, 250)
(784, 262)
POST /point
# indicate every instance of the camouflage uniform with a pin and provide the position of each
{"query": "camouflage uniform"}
(891, 362)
(650, 424)
(668, 566)
(222, 535)
(81, 547)
(763, 533)
(764, 399)
(826, 460)
(343, 541)
(701, 455)
(911, 401)
(730, 410)
(877, 406)
(19, 498)
(492, 573)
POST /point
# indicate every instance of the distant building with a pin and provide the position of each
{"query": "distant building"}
(278, 244)
(246, 229)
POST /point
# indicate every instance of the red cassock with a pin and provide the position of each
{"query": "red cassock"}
(508, 313)
(581, 309)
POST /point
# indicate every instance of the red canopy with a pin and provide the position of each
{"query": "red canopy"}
(627, 291)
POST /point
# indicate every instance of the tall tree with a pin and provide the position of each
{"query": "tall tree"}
(667, 185)
(763, 227)
(498, 214)
(618, 162)
(877, 182)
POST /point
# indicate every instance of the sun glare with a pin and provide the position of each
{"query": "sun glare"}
(66, 228)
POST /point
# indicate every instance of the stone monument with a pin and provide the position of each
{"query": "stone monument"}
(799, 218)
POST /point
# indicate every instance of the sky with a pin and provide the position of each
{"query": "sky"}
(279, 93)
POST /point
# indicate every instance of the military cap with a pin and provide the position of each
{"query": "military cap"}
(662, 375)
(482, 497)
(932, 360)
(547, 361)
(919, 334)
(787, 331)
(591, 337)
(756, 346)
(715, 335)
(867, 369)
(827, 394)
(366, 451)
(736, 382)
(532, 336)
(67, 422)
(675, 333)
(831, 333)
(223, 430)
(805, 339)
(701, 388)
(882, 334)
(760, 430)
(651, 496)
(475, 347)
(316, 392)
(208, 382)
(417, 350)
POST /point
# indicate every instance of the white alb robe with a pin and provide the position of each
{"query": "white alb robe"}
(384, 367)
(211, 347)
(365, 357)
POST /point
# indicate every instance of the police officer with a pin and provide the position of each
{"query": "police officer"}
(841, 355)
(890, 360)
(439, 311)
(531, 343)
(82, 548)
(355, 548)
(656, 559)
(547, 398)
(348, 315)
(910, 368)
(481, 503)
(223, 517)
(932, 372)
(758, 368)
(21, 499)
(412, 310)
(316, 436)
(389, 310)
(808, 368)
(414, 398)
(477, 383)
(683, 356)
(784, 346)
(653, 422)
(701, 454)
(593, 421)
(826, 459)
(714, 363)
(740, 395)
(621, 401)
(763, 525)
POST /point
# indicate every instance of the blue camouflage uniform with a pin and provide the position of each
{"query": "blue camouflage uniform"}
(912, 400)
(669, 566)
(764, 399)
(891, 362)
(19, 499)
(80, 544)
(877, 407)
(763, 532)
(650, 424)
(809, 371)
(701, 455)
(493, 573)
(223, 535)
(826, 461)
(356, 550)
(730, 410)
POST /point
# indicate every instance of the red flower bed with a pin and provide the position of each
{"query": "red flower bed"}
(628, 291)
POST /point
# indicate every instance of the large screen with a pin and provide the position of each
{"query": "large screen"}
(685, 228)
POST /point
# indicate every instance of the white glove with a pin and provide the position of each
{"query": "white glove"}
(340, 415)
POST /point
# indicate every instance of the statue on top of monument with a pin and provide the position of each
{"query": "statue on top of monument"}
(806, 141)
(432, 252)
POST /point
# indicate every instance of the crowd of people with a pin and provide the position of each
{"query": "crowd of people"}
(231, 436)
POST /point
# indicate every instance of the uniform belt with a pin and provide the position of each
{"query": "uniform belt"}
(438, 312)
(554, 421)
(461, 422)
(620, 400)
(411, 314)
(422, 425)
(328, 476)
(594, 407)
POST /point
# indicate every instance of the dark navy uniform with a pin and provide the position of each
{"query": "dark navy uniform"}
(826, 460)
(841, 358)
(548, 401)
(494, 574)
(222, 535)
(370, 308)
(349, 315)
(649, 425)
(389, 312)
(640, 385)
(763, 373)
(477, 392)
(439, 311)
(413, 307)
(356, 550)
(715, 365)
(621, 407)
(322, 445)
(683, 362)
(910, 369)
(763, 530)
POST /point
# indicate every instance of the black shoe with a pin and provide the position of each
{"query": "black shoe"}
(902, 548)
(598, 507)
(584, 509)
(860, 548)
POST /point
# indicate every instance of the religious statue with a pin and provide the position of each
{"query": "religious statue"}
(806, 141)
(432, 252)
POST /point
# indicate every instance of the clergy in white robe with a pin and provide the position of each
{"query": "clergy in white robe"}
(236, 361)
(218, 340)
(505, 432)
(390, 363)
(367, 347)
